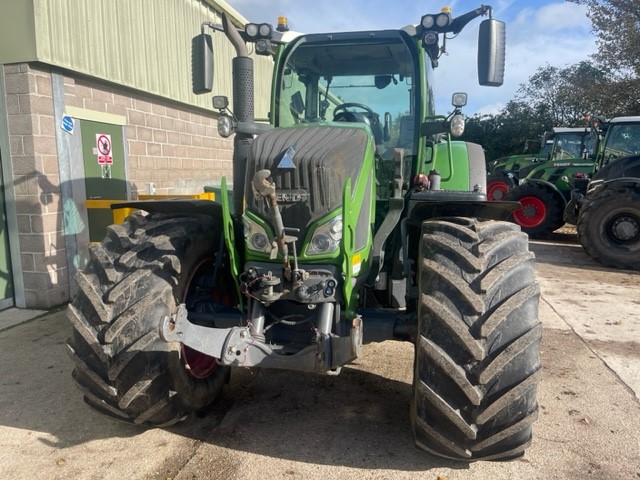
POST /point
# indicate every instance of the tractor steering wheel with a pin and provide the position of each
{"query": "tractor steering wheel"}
(369, 117)
(339, 116)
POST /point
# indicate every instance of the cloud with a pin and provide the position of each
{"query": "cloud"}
(539, 32)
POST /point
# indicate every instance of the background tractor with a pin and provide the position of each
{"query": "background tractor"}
(354, 218)
(503, 172)
(544, 189)
(606, 209)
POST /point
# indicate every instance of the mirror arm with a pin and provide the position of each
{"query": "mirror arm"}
(460, 22)
(212, 26)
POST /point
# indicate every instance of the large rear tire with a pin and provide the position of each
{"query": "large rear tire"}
(136, 277)
(542, 209)
(609, 227)
(477, 361)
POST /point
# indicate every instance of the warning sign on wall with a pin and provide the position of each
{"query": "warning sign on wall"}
(103, 149)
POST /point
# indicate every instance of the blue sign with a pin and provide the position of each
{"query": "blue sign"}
(67, 123)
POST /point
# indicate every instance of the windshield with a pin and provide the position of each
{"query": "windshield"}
(355, 79)
(623, 140)
(574, 145)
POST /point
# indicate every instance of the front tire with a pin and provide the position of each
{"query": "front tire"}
(477, 361)
(499, 185)
(135, 278)
(541, 212)
(609, 227)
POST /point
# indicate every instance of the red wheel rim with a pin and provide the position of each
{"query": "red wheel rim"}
(532, 213)
(198, 364)
(497, 190)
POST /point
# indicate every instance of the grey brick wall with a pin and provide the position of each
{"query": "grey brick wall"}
(36, 184)
(173, 146)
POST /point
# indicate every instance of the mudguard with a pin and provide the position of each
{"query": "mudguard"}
(548, 185)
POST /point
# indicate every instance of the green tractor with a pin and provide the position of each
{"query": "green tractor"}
(354, 218)
(545, 189)
(503, 172)
(606, 207)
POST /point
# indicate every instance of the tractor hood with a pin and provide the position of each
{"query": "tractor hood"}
(309, 166)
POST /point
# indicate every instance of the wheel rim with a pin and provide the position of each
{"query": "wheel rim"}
(532, 213)
(198, 364)
(497, 190)
(624, 229)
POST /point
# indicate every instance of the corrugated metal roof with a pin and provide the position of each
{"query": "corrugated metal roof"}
(142, 44)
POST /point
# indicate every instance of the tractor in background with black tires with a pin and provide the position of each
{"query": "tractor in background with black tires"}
(354, 218)
(606, 207)
(503, 172)
(544, 189)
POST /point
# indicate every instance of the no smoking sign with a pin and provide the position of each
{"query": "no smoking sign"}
(103, 148)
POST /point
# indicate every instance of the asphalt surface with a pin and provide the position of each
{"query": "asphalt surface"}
(283, 425)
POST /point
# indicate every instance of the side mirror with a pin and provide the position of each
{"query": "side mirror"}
(385, 131)
(491, 53)
(202, 63)
(297, 103)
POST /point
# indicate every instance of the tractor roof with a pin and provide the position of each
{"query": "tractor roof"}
(568, 129)
(635, 119)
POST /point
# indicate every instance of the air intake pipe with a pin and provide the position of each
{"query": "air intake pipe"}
(243, 109)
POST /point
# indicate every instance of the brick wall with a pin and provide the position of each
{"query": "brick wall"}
(36, 183)
(176, 148)
(168, 144)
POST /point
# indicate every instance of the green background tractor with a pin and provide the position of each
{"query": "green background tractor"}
(544, 189)
(606, 209)
(503, 172)
(354, 218)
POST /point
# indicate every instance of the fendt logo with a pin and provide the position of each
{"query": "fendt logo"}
(292, 196)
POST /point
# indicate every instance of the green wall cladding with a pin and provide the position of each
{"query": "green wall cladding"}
(142, 44)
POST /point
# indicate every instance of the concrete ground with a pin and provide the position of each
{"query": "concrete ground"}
(282, 425)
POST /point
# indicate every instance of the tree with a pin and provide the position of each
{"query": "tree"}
(565, 95)
(616, 23)
(506, 132)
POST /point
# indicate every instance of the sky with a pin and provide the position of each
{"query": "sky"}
(539, 33)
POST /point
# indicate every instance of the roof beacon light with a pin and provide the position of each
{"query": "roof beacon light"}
(283, 25)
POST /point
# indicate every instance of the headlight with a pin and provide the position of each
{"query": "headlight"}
(430, 38)
(251, 29)
(457, 125)
(427, 22)
(443, 19)
(265, 30)
(326, 238)
(225, 126)
(256, 237)
(263, 47)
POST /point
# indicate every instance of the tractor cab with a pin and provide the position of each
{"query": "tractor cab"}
(352, 77)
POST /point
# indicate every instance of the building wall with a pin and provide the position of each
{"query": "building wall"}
(36, 185)
(172, 145)
(142, 44)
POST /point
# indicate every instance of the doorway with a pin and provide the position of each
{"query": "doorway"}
(104, 171)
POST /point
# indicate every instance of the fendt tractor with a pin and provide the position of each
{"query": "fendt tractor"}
(606, 207)
(354, 218)
(544, 189)
(503, 173)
